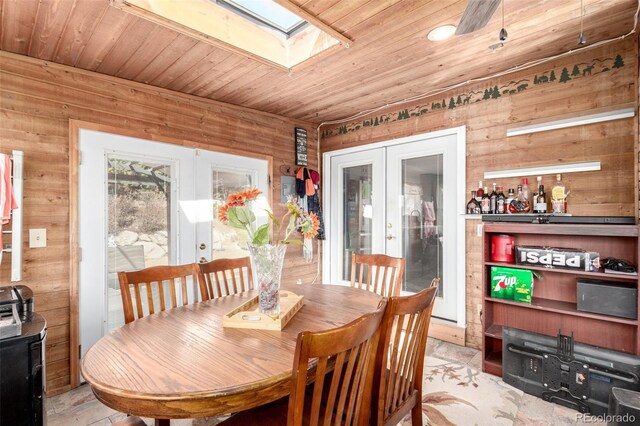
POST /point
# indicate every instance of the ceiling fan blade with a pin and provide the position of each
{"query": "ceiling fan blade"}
(476, 15)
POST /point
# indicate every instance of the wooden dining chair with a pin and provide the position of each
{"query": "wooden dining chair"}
(152, 281)
(222, 277)
(342, 376)
(399, 363)
(378, 273)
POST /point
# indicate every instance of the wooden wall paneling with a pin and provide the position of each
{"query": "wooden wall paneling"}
(169, 56)
(607, 192)
(78, 30)
(107, 32)
(41, 102)
(412, 45)
(156, 42)
(368, 90)
(18, 20)
(51, 15)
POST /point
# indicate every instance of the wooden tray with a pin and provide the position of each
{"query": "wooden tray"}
(247, 315)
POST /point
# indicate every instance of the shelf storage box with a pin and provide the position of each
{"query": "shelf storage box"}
(558, 258)
(511, 283)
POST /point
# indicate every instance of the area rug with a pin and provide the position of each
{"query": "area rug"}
(456, 394)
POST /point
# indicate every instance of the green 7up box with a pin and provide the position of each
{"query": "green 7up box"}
(511, 283)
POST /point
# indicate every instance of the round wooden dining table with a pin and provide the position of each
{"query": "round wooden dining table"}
(182, 363)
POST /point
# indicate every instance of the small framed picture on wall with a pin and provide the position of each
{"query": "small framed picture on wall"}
(301, 146)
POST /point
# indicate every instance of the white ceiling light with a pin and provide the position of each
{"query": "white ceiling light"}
(441, 33)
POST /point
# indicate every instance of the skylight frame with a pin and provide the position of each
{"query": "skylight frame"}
(262, 21)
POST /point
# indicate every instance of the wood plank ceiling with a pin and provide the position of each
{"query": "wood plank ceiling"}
(389, 60)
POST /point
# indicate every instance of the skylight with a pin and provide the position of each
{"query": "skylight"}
(267, 13)
(263, 30)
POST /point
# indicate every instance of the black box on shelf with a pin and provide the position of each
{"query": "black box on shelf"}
(552, 257)
(607, 298)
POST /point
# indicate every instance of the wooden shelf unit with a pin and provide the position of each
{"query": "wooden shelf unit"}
(554, 304)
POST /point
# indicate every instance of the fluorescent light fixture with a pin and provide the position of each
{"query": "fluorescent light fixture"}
(586, 166)
(571, 122)
(441, 33)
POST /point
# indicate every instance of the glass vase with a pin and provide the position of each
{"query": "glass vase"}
(267, 263)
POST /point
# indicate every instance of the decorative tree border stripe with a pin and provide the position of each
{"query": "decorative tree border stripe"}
(581, 70)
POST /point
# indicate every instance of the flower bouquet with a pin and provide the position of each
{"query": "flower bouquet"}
(268, 253)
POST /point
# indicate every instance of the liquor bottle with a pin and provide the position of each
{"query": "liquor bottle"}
(473, 206)
(525, 189)
(510, 197)
(541, 201)
(493, 198)
(485, 204)
(500, 202)
(559, 196)
(535, 193)
(479, 192)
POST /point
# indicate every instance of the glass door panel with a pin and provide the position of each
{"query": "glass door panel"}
(219, 175)
(358, 214)
(227, 241)
(422, 216)
(139, 205)
(422, 230)
(358, 210)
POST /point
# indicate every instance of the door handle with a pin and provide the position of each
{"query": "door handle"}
(202, 260)
(390, 237)
(202, 246)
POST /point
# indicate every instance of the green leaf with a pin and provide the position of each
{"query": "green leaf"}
(272, 217)
(245, 215)
(297, 242)
(232, 218)
(261, 237)
(292, 224)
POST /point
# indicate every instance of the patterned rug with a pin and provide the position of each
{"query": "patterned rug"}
(456, 394)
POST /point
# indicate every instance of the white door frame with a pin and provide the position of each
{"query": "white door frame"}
(460, 134)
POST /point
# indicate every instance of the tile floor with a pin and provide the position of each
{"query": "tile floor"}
(79, 407)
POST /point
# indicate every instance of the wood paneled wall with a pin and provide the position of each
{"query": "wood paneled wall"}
(37, 100)
(611, 191)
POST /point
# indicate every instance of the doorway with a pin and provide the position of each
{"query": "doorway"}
(144, 203)
(404, 198)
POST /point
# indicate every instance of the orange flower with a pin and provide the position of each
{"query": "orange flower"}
(222, 212)
(315, 226)
(250, 194)
(236, 199)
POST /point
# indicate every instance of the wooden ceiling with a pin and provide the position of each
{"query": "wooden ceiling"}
(390, 58)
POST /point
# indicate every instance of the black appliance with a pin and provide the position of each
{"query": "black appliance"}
(577, 376)
(607, 298)
(22, 367)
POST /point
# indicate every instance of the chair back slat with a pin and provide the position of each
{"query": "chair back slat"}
(400, 356)
(383, 273)
(154, 278)
(223, 277)
(349, 350)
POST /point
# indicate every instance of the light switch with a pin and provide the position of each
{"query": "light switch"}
(37, 238)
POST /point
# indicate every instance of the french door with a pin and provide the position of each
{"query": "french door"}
(402, 199)
(145, 203)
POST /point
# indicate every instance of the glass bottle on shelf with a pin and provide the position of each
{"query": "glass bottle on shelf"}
(559, 196)
(485, 204)
(500, 201)
(525, 189)
(473, 206)
(540, 205)
(520, 204)
(493, 198)
(479, 192)
(510, 197)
